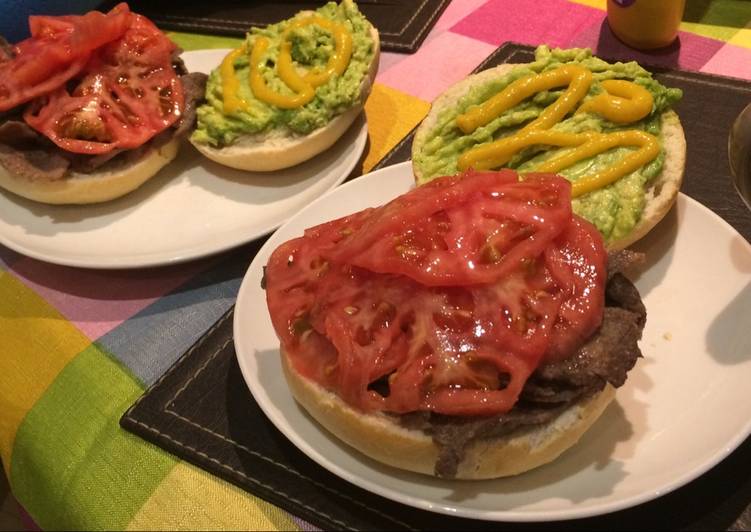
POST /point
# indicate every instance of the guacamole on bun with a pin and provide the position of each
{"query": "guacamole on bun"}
(607, 127)
(290, 91)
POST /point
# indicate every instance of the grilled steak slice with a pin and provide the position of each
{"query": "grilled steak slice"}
(33, 164)
(620, 292)
(453, 435)
(624, 261)
(605, 358)
(178, 65)
(194, 85)
(26, 153)
(18, 134)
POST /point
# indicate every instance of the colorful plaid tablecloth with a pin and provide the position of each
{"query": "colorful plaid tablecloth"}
(77, 347)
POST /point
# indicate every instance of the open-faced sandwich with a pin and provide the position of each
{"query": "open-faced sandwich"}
(473, 327)
(290, 91)
(608, 128)
(91, 106)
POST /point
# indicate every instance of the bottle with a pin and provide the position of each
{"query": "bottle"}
(645, 24)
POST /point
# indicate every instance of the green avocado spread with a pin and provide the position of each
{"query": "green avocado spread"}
(615, 209)
(311, 47)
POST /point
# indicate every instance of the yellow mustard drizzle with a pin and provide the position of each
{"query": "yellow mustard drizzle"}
(496, 154)
(337, 63)
(303, 86)
(233, 102)
(577, 78)
(262, 91)
(621, 102)
(649, 148)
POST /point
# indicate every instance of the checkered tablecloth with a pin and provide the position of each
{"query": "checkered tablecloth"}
(77, 347)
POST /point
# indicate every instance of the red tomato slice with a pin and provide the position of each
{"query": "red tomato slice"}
(509, 222)
(57, 50)
(576, 264)
(82, 33)
(127, 93)
(424, 330)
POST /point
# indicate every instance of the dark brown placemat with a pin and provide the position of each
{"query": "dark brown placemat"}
(402, 24)
(201, 409)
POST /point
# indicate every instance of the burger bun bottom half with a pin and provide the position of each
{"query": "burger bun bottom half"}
(661, 192)
(383, 439)
(113, 181)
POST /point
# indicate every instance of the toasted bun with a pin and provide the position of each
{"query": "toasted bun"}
(661, 192)
(96, 187)
(381, 438)
(280, 148)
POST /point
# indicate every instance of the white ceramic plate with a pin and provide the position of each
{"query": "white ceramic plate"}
(683, 409)
(192, 208)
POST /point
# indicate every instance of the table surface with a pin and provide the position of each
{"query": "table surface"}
(78, 347)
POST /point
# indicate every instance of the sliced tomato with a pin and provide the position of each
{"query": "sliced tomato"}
(577, 263)
(462, 400)
(58, 50)
(82, 33)
(125, 95)
(426, 330)
(509, 221)
(14, 92)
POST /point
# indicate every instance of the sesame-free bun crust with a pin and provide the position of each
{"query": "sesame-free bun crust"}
(381, 438)
(280, 148)
(661, 192)
(96, 187)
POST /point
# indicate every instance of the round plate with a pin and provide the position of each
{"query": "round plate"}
(694, 374)
(192, 208)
